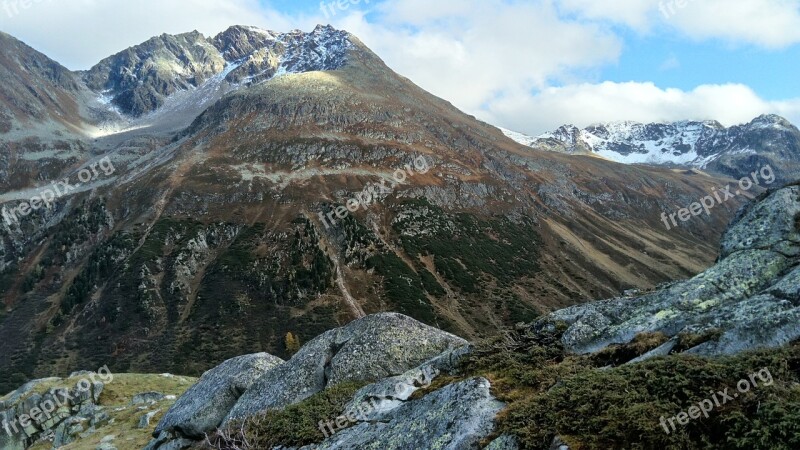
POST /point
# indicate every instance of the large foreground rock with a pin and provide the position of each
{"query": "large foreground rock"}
(368, 349)
(456, 417)
(202, 408)
(749, 299)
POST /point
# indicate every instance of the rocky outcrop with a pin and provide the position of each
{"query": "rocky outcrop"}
(374, 348)
(456, 417)
(749, 299)
(368, 349)
(204, 405)
(49, 409)
(371, 402)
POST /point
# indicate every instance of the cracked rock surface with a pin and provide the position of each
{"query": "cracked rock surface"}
(368, 349)
(205, 404)
(75, 410)
(455, 417)
(751, 297)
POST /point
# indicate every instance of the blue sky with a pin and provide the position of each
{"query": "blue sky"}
(672, 61)
(527, 65)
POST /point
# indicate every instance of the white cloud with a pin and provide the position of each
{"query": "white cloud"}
(470, 51)
(584, 104)
(768, 23)
(637, 14)
(764, 23)
(496, 60)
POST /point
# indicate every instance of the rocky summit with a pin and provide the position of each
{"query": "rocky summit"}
(140, 79)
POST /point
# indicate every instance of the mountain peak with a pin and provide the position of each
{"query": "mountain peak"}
(771, 120)
(139, 80)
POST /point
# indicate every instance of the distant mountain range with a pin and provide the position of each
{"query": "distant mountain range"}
(734, 151)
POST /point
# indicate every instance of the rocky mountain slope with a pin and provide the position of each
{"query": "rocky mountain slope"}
(216, 234)
(747, 302)
(736, 151)
(606, 375)
(44, 111)
(35, 87)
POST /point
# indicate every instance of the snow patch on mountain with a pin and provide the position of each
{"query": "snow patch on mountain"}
(266, 55)
(523, 139)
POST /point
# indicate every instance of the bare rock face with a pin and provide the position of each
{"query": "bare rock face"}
(373, 348)
(23, 66)
(204, 405)
(455, 417)
(63, 411)
(750, 298)
(257, 55)
(368, 349)
(140, 79)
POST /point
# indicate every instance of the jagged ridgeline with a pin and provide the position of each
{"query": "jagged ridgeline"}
(768, 140)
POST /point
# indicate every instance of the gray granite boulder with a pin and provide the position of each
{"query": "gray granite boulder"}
(147, 397)
(368, 349)
(373, 401)
(204, 405)
(456, 417)
(167, 441)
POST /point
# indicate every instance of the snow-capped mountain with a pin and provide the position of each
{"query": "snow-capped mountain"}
(140, 79)
(707, 145)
